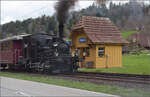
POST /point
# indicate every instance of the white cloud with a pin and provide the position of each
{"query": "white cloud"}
(20, 10)
(83, 4)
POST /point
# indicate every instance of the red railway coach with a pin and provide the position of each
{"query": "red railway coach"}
(10, 50)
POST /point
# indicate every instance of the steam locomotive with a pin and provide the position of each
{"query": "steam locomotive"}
(37, 52)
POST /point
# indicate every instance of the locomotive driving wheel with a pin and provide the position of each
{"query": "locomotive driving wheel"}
(28, 66)
(47, 69)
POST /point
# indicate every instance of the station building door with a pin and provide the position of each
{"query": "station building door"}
(83, 53)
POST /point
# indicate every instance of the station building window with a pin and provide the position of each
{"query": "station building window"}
(101, 51)
(87, 51)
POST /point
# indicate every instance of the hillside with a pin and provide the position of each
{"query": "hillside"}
(126, 34)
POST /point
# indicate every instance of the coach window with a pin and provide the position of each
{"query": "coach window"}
(10, 45)
(2, 46)
(6, 46)
(101, 51)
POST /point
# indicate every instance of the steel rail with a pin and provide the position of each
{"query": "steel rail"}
(128, 78)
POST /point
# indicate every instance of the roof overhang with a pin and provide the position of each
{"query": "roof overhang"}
(18, 37)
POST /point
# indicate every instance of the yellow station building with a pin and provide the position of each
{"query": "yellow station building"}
(98, 42)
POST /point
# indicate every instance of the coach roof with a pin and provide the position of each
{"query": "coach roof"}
(18, 37)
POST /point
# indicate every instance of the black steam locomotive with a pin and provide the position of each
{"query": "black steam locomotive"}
(46, 53)
(40, 52)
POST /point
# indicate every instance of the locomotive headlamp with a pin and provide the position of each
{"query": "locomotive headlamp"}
(55, 44)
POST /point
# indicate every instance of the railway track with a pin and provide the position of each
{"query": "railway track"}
(113, 77)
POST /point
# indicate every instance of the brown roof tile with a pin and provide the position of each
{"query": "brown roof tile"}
(100, 30)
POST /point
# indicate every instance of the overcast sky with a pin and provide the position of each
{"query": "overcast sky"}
(20, 10)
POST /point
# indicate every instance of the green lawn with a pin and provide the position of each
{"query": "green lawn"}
(126, 34)
(81, 85)
(132, 64)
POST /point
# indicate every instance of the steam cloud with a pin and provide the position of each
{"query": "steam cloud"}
(62, 8)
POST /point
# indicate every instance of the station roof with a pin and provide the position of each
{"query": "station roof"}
(100, 30)
(18, 37)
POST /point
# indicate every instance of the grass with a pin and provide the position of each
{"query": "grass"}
(126, 34)
(132, 64)
(81, 85)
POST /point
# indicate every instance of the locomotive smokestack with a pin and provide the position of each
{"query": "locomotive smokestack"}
(61, 30)
(62, 8)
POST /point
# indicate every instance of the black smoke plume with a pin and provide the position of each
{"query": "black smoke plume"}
(62, 9)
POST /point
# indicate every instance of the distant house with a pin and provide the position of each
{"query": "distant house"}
(142, 39)
(98, 42)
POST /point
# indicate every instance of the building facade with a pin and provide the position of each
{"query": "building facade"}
(98, 42)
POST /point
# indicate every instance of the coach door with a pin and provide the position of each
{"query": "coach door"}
(17, 50)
